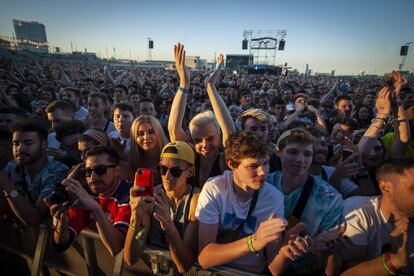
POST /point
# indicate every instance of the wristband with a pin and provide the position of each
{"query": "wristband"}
(184, 90)
(250, 245)
(389, 262)
(385, 265)
(138, 232)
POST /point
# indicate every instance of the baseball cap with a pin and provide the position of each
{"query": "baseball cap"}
(178, 150)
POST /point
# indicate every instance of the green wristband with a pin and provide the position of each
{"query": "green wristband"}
(184, 90)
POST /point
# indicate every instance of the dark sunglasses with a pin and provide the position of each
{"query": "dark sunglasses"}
(99, 170)
(175, 171)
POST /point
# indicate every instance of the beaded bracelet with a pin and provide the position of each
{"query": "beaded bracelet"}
(184, 90)
(389, 263)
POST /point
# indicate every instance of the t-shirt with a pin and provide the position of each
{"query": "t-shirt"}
(116, 208)
(367, 226)
(125, 142)
(81, 114)
(218, 204)
(323, 210)
(346, 185)
(52, 142)
(40, 186)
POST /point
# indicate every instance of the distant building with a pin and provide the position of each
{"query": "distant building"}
(195, 63)
(31, 36)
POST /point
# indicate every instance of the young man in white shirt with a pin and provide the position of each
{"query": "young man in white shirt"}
(241, 216)
(381, 228)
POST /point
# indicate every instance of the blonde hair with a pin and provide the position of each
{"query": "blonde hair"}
(137, 153)
(256, 114)
(202, 119)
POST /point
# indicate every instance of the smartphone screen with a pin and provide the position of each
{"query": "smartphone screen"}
(145, 178)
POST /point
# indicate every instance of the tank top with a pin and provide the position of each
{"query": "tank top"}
(180, 218)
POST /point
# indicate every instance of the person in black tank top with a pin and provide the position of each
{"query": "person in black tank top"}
(167, 220)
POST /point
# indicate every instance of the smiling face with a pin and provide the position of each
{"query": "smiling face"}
(296, 159)
(27, 147)
(320, 150)
(206, 140)
(146, 137)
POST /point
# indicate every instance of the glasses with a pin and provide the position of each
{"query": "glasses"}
(99, 170)
(175, 171)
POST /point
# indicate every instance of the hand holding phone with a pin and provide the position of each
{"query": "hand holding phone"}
(144, 178)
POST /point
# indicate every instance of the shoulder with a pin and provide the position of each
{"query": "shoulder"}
(218, 183)
(323, 189)
(360, 204)
(274, 178)
(271, 192)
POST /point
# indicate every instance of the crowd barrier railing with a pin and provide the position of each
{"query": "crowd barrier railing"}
(88, 255)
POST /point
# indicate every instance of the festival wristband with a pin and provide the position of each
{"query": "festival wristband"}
(385, 265)
(184, 90)
(389, 262)
(250, 245)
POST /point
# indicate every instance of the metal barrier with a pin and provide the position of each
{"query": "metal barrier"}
(88, 255)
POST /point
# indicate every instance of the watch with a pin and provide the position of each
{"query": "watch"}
(13, 194)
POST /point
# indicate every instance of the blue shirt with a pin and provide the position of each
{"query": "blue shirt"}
(42, 185)
(322, 212)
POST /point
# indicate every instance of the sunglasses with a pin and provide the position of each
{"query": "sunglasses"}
(99, 170)
(175, 171)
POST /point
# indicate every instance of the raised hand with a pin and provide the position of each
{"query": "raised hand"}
(182, 70)
(383, 103)
(400, 82)
(162, 213)
(329, 240)
(213, 77)
(140, 205)
(269, 230)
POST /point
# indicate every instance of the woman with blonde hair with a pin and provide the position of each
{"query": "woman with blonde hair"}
(147, 141)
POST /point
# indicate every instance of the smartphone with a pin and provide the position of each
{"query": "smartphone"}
(346, 153)
(144, 178)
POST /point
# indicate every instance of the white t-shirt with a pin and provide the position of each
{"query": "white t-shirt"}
(125, 142)
(366, 226)
(81, 114)
(346, 185)
(218, 204)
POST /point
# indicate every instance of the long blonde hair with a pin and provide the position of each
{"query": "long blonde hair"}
(137, 153)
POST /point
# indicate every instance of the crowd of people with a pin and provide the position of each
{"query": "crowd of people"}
(291, 175)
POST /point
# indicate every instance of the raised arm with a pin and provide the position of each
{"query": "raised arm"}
(383, 105)
(178, 107)
(402, 126)
(219, 107)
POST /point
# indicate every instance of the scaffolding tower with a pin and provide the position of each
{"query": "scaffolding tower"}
(263, 44)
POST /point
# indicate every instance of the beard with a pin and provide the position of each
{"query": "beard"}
(28, 159)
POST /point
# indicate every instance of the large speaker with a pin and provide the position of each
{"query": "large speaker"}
(404, 50)
(281, 45)
(150, 44)
(244, 44)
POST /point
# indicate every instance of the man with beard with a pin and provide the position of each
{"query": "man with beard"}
(381, 227)
(123, 117)
(32, 175)
(107, 212)
(58, 112)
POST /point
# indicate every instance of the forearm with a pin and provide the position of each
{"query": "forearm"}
(61, 233)
(214, 254)
(372, 133)
(134, 248)
(182, 255)
(320, 121)
(110, 236)
(291, 118)
(372, 267)
(279, 264)
(176, 117)
(221, 111)
(402, 134)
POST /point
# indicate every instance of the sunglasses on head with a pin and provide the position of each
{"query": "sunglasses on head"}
(175, 171)
(99, 170)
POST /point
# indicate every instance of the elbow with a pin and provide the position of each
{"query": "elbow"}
(129, 260)
(204, 262)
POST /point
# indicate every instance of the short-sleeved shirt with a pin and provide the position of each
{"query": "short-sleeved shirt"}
(322, 212)
(346, 186)
(81, 114)
(218, 204)
(367, 226)
(116, 207)
(42, 185)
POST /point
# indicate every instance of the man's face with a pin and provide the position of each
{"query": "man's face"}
(123, 121)
(70, 97)
(251, 172)
(296, 158)
(120, 94)
(147, 108)
(345, 107)
(320, 151)
(339, 132)
(261, 129)
(27, 147)
(375, 156)
(69, 144)
(172, 183)
(101, 183)
(402, 193)
(279, 110)
(8, 119)
(206, 140)
(96, 106)
(369, 100)
(233, 93)
(287, 95)
(57, 117)
(264, 103)
(245, 99)
(234, 112)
